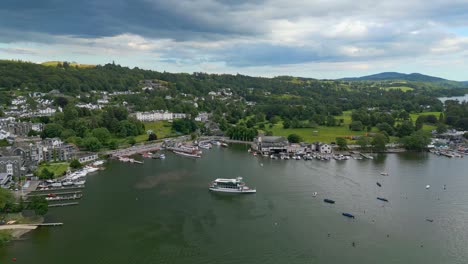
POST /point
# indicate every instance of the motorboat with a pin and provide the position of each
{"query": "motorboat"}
(348, 215)
(329, 201)
(230, 186)
(158, 156)
(382, 199)
(314, 194)
(378, 184)
(384, 173)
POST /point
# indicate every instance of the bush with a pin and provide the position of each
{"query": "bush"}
(39, 205)
(294, 138)
(75, 164)
(356, 126)
(152, 136)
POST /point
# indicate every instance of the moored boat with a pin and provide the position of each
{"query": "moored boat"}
(378, 184)
(185, 154)
(230, 186)
(329, 201)
(348, 215)
(382, 199)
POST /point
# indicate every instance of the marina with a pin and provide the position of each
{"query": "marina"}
(284, 205)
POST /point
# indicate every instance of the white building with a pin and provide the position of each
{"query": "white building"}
(37, 127)
(102, 101)
(4, 134)
(46, 112)
(202, 117)
(158, 116)
(88, 106)
(18, 101)
(325, 148)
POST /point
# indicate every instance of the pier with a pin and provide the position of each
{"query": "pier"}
(57, 193)
(63, 204)
(366, 156)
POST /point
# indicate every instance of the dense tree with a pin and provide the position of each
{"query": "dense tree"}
(102, 134)
(363, 142)
(405, 128)
(441, 128)
(385, 127)
(294, 138)
(417, 141)
(6, 199)
(46, 174)
(152, 136)
(52, 130)
(92, 144)
(356, 126)
(75, 164)
(184, 126)
(342, 143)
(39, 204)
(378, 142)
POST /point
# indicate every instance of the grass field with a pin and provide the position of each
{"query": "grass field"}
(329, 134)
(73, 64)
(57, 168)
(161, 128)
(323, 133)
(415, 116)
(402, 88)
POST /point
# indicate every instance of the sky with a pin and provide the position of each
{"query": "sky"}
(309, 38)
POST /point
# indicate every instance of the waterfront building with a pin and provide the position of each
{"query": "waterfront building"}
(270, 144)
(87, 157)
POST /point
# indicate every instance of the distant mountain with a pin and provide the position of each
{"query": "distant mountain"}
(415, 77)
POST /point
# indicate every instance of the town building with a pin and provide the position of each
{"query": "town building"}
(158, 116)
(87, 157)
(4, 179)
(11, 165)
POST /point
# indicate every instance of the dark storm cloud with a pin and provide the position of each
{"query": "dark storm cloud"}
(98, 18)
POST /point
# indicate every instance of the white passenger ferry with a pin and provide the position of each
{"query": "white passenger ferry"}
(230, 186)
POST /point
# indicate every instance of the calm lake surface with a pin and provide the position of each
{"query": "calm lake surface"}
(162, 212)
(459, 98)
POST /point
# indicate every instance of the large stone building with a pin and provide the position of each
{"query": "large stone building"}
(11, 165)
(158, 116)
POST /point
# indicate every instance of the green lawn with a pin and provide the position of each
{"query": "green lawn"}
(329, 134)
(57, 168)
(415, 116)
(402, 88)
(161, 128)
(323, 133)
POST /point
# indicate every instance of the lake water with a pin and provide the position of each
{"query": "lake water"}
(162, 212)
(459, 98)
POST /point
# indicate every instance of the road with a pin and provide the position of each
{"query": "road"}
(19, 226)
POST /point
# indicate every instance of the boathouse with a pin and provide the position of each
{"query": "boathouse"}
(270, 144)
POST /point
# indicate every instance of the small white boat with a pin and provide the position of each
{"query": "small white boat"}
(314, 194)
(428, 186)
(67, 183)
(230, 186)
(98, 163)
(79, 182)
(194, 155)
(384, 173)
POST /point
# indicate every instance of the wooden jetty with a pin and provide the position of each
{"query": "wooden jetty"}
(48, 224)
(52, 190)
(366, 156)
(56, 193)
(63, 204)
